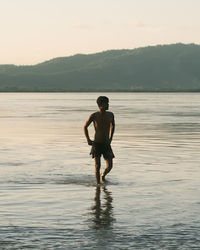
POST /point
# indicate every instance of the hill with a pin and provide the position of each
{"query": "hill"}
(173, 67)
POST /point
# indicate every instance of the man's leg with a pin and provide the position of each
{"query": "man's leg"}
(109, 165)
(97, 168)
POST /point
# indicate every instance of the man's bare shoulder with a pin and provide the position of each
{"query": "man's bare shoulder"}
(94, 115)
(110, 113)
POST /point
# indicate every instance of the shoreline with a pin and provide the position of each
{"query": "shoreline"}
(99, 91)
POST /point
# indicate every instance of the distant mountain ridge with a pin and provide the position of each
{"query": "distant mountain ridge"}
(174, 67)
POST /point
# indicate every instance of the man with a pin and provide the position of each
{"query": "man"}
(104, 125)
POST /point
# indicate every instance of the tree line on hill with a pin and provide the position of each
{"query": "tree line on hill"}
(174, 67)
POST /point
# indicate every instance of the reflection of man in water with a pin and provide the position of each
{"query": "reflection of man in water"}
(102, 211)
(104, 125)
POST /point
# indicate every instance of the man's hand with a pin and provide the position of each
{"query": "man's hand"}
(90, 142)
(88, 122)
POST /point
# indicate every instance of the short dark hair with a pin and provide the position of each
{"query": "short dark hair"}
(101, 100)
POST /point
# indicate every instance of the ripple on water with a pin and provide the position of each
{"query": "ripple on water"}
(49, 199)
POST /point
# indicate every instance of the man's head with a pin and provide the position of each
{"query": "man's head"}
(103, 102)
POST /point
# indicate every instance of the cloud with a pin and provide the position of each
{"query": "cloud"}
(82, 26)
(135, 23)
(108, 25)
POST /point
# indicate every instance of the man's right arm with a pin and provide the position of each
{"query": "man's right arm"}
(88, 122)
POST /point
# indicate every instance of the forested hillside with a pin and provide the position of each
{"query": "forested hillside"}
(173, 67)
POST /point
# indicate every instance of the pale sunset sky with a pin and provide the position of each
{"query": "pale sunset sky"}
(33, 31)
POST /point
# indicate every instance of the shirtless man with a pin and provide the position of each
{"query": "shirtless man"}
(104, 125)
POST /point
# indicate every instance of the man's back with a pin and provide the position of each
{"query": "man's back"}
(102, 124)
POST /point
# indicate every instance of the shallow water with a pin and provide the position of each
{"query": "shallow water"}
(49, 198)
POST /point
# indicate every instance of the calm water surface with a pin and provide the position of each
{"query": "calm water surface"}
(49, 199)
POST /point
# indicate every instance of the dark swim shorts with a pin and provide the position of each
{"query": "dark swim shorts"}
(104, 149)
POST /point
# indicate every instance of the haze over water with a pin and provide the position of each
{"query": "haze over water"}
(49, 198)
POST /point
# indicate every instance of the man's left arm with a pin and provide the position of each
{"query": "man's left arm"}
(112, 128)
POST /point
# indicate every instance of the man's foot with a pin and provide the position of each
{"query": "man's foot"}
(102, 178)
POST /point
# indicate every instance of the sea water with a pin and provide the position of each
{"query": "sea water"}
(49, 198)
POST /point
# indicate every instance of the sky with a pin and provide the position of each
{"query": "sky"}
(33, 31)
